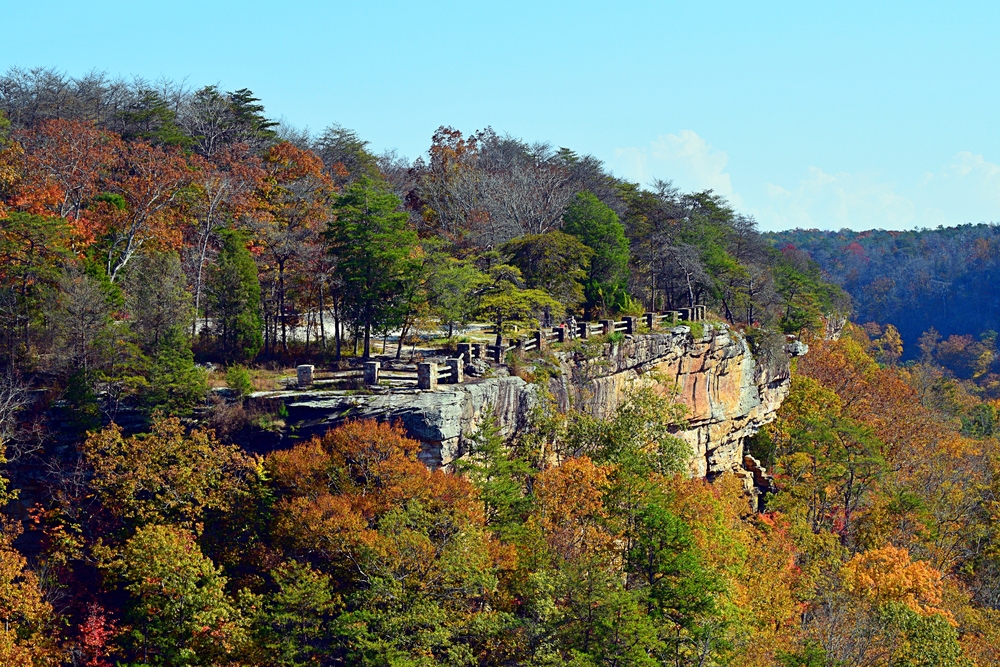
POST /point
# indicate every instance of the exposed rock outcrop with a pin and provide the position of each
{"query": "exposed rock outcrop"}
(729, 394)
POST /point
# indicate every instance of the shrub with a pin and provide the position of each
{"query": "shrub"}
(697, 328)
(616, 337)
(238, 379)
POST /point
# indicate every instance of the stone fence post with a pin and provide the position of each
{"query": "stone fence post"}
(465, 352)
(304, 375)
(630, 324)
(650, 319)
(456, 370)
(371, 372)
(427, 375)
(540, 340)
(608, 326)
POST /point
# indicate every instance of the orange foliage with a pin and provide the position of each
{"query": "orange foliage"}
(339, 486)
(64, 163)
(572, 514)
(887, 575)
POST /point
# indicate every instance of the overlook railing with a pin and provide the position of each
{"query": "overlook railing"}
(428, 375)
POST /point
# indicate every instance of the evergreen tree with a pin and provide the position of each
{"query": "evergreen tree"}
(375, 250)
(234, 297)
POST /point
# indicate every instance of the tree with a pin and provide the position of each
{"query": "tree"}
(294, 627)
(147, 180)
(293, 204)
(31, 251)
(216, 119)
(157, 299)
(221, 193)
(28, 634)
(597, 226)
(65, 162)
(451, 289)
(176, 385)
(555, 262)
(375, 250)
(234, 297)
(178, 607)
(508, 305)
(167, 475)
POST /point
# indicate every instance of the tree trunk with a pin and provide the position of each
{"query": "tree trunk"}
(281, 305)
(322, 328)
(336, 326)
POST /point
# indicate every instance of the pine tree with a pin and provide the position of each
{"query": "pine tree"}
(234, 298)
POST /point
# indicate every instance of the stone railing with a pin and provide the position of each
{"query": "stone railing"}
(538, 339)
(428, 375)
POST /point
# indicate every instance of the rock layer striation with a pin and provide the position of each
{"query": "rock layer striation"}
(729, 393)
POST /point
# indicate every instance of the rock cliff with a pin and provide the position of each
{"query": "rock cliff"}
(729, 392)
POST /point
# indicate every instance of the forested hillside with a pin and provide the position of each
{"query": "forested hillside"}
(942, 279)
(165, 252)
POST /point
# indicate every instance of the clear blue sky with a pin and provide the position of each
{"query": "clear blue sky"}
(830, 115)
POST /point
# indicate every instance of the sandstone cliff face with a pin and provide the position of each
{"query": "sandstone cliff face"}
(728, 392)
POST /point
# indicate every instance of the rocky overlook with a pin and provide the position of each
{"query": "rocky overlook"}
(728, 391)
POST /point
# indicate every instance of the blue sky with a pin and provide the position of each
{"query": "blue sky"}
(829, 115)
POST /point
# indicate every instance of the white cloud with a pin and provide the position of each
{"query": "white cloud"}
(685, 158)
(833, 201)
(966, 189)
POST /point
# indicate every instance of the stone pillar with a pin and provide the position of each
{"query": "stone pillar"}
(650, 319)
(427, 375)
(465, 352)
(584, 329)
(371, 372)
(560, 333)
(456, 370)
(674, 317)
(304, 374)
(540, 340)
(630, 324)
(477, 350)
(684, 313)
(607, 326)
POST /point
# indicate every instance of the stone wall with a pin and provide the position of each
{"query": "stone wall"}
(729, 395)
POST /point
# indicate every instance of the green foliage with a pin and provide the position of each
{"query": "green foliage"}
(597, 227)
(151, 117)
(508, 305)
(452, 286)
(175, 384)
(555, 262)
(500, 474)
(178, 608)
(294, 626)
(697, 328)
(115, 200)
(157, 299)
(234, 298)
(238, 379)
(639, 437)
(916, 640)
(375, 249)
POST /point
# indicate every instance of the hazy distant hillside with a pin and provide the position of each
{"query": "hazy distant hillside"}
(945, 277)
